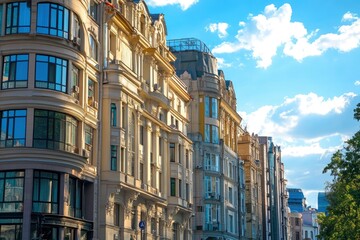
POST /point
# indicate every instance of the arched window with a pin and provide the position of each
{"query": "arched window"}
(113, 115)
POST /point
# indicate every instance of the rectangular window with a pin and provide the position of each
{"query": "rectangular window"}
(54, 130)
(113, 162)
(91, 92)
(75, 197)
(214, 108)
(46, 192)
(17, 18)
(75, 90)
(141, 135)
(11, 191)
(211, 134)
(93, 9)
(15, 71)
(172, 152)
(160, 146)
(93, 48)
(180, 188)
(113, 116)
(12, 128)
(116, 214)
(231, 223)
(207, 107)
(212, 162)
(53, 19)
(207, 133)
(172, 187)
(230, 195)
(9, 230)
(187, 158)
(51, 73)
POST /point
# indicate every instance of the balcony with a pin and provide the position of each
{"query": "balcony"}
(155, 94)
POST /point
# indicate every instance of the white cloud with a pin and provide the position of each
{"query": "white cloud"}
(222, 64)
(357, 83)
(265, 33)
(302, 124)
(220, 28)
(184, 4)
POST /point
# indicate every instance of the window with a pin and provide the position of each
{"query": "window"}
(172, 152)
(212, 214)
(11, 231)
(76, 187)
(1, 17)
(46, 192)
(13, 128)
(113, 115)
(75, 82)
(187, 158)
(93, 48)
(113, 162)
(230, 195)
(15, 71)
(212, 186)
(212, 162)
(53, 19)
(141, 135)
(131, 163)
(11, 191)
(89, 132)
(91, 92)
(297, 222)
(54, 130)
(93, 10)
(17, 18)
(75, 29)
(172, 187)
(51, 73)
(116, 214)
(180, 188)
(211, 133)
(211, 107)
(231, 223)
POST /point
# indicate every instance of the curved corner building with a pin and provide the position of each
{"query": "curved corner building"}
(50, 74)
(214, 127)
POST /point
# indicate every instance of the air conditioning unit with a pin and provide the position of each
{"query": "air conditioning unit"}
(76, 41)
(95, 104)
(75, 89)
(86, 153)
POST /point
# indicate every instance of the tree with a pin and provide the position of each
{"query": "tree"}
(343, 193)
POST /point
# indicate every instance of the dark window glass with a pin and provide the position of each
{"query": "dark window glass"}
(75, 90)
(53, 19)
(172, 152)
(113, 162)
(46, 192)
(113, 115)
(17, 18)
(11, 191)
(173, 187)
(51, 73)
(12, 128)
(15, 71)
(75, 197)
(54, 130)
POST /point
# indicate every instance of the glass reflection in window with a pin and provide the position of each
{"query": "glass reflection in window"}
(53, 19)
(11, 191)
(46, 192)
(17, 18)
(12, 128)
(51, 73)
(15, 71)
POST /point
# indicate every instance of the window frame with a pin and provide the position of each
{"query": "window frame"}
(14, 26)
(10, 65)
(8, 120)
(6, 178)
(57, 25)
(54, 202)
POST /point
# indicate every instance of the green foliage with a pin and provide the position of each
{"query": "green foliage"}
(343, 219)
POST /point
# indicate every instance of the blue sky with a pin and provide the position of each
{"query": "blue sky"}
(295, 68)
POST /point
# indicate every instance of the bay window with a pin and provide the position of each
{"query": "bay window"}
(54, 130)
(53, 19)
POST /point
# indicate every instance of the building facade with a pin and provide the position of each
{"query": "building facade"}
(213, 128)
(276, 223)
(100, 148)
(249, 152)
(49, 110)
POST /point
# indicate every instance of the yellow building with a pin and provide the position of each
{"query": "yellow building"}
(249, 151)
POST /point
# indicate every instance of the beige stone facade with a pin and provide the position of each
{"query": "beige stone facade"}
(93, 124)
